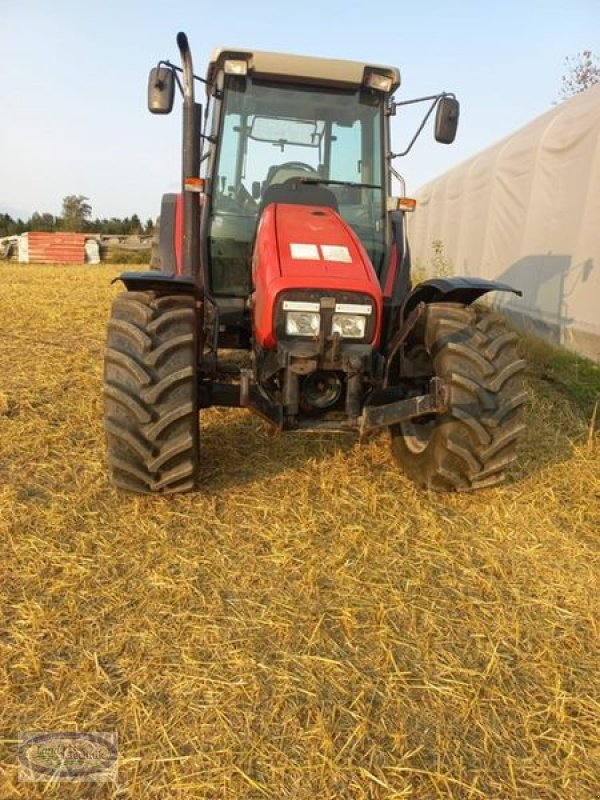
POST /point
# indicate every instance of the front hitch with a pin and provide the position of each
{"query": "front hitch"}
(436, 402)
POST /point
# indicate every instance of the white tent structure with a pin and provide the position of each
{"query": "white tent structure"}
(526, 211)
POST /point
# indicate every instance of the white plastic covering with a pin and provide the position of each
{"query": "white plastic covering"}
(526, 211)
(92, 251)
(23, 249)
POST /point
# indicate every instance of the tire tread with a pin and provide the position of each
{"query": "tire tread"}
(476, 440)
(151, 420)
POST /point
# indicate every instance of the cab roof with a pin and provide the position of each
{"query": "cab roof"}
(307, 69)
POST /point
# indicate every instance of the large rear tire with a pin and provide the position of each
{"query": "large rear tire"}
(150, 391)
(473, 443)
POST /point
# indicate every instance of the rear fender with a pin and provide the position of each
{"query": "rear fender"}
(463, 290)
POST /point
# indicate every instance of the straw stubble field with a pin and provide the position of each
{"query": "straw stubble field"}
(308, 624)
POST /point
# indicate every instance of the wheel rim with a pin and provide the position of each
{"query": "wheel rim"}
(417, 435)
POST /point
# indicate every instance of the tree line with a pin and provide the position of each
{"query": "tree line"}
(76, 216)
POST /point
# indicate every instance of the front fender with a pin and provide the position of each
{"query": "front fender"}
(463, 290)
(159, 282)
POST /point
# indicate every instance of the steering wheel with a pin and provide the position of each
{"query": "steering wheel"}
(296, 165)
(299, 165)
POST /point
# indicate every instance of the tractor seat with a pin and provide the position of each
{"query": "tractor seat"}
(295, 192)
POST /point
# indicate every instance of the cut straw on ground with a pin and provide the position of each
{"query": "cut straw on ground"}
(308, 624)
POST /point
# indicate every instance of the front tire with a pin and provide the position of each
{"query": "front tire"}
(150, 391)
(473, 443)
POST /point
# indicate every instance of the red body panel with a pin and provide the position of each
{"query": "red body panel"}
(391, 273)
(332, 258)
(179, 234)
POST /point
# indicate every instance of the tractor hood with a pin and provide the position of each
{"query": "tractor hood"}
(306, 248)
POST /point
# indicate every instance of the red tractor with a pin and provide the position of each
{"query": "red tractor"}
(286, 242)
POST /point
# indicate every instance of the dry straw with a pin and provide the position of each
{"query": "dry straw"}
(308, 625)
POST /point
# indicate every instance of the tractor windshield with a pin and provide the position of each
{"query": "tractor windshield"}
(271, 132)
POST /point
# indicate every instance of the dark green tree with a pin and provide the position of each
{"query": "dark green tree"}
(5, 222)
(77, 211)
(41, 222)
(135, 225)
(10, 226)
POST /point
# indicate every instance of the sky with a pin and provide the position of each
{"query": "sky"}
(73, 117)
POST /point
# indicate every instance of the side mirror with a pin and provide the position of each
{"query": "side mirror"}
(446, 120)
(161, 90)
(255, 189)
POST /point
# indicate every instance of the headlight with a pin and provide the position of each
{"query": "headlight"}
(349, 326)
(302, 323)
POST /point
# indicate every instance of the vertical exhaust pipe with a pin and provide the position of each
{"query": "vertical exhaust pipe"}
(192, 116)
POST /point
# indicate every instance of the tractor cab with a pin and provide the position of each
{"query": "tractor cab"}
(298, 130)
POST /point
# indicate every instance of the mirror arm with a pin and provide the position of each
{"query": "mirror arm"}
(417, 133)
(173, 69)
(179, 69)
(436, 99)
